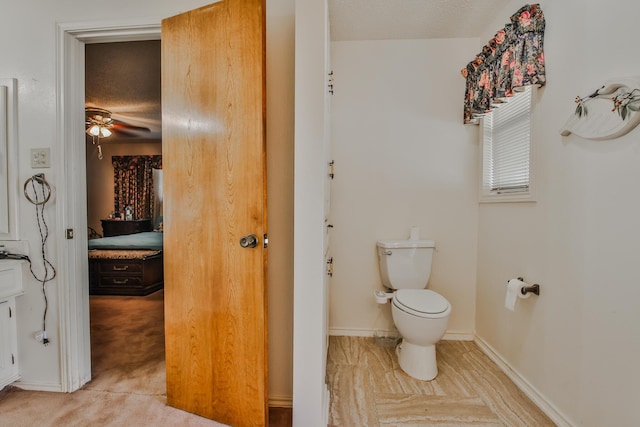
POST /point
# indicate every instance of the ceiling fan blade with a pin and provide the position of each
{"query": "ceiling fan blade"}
(127, 132)
(123, 126)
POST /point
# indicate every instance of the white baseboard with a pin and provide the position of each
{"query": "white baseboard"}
(527, 388)
(38, 386)
(277, 401)
(364, 332)
(458, 336)
(355, 332)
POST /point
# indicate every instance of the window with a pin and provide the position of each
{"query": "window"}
(506, 150)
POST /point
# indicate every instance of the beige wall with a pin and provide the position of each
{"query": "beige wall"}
(402, 159)
(100, 175)
(30, 26)
(280, 48)
(577, 343)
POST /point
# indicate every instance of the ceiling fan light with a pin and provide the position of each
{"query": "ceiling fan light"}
(94, 130)
(104, 132)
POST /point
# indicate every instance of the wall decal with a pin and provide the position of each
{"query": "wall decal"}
(609, 112)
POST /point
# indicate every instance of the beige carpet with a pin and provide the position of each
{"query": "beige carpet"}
(128, 385)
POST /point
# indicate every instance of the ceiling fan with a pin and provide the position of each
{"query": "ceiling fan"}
(99, 123)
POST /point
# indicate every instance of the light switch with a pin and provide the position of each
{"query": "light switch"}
(40, 158)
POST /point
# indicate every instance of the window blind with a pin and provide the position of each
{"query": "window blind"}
(506, 145)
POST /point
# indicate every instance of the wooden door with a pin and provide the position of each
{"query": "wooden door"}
(213, 130)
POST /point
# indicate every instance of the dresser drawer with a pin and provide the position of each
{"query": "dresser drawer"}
(115, 266)
(125, 276)
(120, 282)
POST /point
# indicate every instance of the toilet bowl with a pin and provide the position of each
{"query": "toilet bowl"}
(420, 315)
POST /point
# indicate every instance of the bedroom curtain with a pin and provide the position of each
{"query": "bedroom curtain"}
(133, 183)
(513, 58)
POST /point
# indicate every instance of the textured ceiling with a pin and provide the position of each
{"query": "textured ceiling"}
(124, 78)
(410, 19)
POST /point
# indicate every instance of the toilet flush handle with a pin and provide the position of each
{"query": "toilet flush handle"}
(387, 253)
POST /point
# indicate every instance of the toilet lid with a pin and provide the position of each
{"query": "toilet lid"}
(421, 301)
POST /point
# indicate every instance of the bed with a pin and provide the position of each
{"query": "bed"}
(129, 264)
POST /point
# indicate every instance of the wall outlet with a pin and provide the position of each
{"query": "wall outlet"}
(40, 158)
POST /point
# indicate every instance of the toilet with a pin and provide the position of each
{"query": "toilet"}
(420, 315)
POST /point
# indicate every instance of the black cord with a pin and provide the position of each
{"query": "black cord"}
(43, 228)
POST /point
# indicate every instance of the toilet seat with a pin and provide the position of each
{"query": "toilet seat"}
(422, 303)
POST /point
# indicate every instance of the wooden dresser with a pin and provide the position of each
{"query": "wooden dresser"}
(113, 272)
(118, 227)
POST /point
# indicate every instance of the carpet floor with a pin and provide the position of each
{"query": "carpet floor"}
(128, 384)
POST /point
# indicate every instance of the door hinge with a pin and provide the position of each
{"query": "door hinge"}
(69, 233)
(330, 83)
(10, 313)
(332, 169)
(330, 267)
(265, 240)
(13, 360)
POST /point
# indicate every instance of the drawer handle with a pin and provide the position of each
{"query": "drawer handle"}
(123, 268)
(120, 282)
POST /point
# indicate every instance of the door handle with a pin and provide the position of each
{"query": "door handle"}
(249, 241)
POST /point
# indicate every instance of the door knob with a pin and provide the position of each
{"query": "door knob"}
(249, 241)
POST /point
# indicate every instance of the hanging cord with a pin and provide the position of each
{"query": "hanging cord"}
(40, 200)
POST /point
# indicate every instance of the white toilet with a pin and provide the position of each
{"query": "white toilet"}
(420, 315)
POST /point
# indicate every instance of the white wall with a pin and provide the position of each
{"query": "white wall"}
(577, 343)
(402, 158)
(28, 45)
(310, 395)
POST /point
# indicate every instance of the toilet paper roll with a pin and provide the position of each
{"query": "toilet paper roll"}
(514, 291)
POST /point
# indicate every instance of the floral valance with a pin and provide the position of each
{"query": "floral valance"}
(513, 58)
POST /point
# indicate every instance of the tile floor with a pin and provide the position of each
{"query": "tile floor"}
(369, 389)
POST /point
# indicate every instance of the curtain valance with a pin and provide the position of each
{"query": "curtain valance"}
(513, 58)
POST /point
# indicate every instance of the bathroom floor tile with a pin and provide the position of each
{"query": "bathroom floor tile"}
(352, 395)
(347, 350)
(368, 388)
(405, 410)
(506, 400)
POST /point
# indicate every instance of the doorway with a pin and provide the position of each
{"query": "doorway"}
(72, 204)
(71, 104)
(123, 164)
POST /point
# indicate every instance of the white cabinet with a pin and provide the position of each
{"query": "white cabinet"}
(10, 288)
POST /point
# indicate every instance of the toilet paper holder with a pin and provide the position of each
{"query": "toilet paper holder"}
(534, 289)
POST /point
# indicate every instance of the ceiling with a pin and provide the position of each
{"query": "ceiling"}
(410, 19)
(124, 78)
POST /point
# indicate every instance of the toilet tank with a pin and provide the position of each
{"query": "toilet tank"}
(405, 264)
